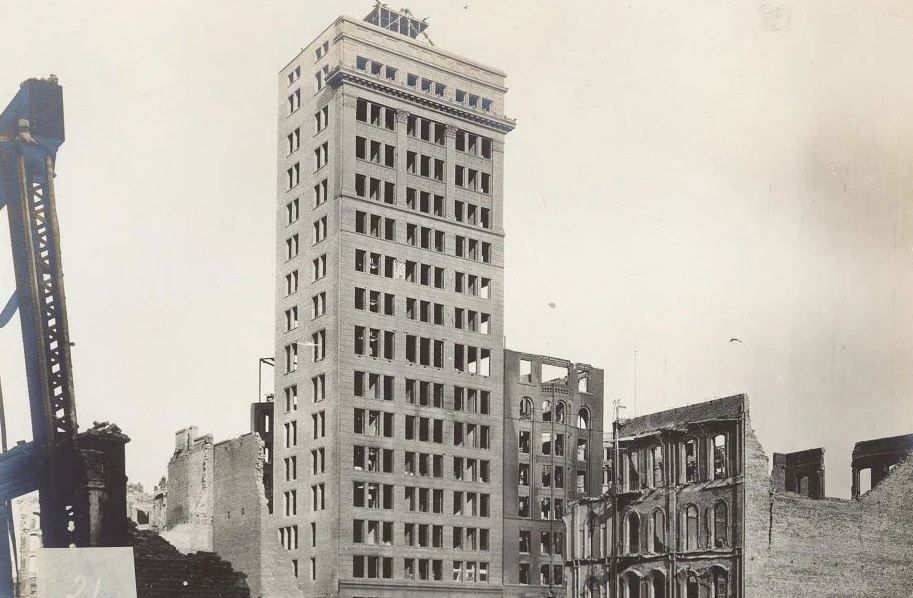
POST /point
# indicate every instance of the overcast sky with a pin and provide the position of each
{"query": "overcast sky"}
(682, 173)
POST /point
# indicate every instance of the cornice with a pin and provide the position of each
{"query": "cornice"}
(340, 75)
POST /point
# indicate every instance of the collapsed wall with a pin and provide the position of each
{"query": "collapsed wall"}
(217, 502)
(188, 513)
(797, 546)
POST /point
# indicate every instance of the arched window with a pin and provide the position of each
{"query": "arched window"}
(659, 531)
(692, 589)
(720, 524)
(561, 412)
(658, 585)
(633, 533)
(720, 586)
(720, 457)
(583, 418)
(691, 528)
(546, 410)
(526, 408)
(631, 585)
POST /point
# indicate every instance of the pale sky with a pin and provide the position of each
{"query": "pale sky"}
(682, 173)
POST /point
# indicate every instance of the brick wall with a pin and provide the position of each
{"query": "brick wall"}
(163, 572)
(798, 547)
(190, 483)
(237, 497)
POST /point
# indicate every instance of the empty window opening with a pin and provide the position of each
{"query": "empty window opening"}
(632, 533)
(720, 458)
(720, 525)
(554, 374)
(659, 531)
(691, 528)
(865, 480)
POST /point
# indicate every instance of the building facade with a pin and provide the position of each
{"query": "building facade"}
(693, 510)
(553, 436)
(389, 330)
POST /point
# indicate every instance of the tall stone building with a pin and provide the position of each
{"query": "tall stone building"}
(389, 327)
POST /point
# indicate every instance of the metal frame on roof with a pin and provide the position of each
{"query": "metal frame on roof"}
(399, 21)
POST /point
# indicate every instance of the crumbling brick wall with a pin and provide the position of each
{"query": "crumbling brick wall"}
(190, 474)
(163, 572)
(237, 497)
(801, 547)
(216, 501)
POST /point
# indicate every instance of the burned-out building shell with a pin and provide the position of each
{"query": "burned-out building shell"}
(693, 510)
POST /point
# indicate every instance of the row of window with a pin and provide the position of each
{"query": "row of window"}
(375, 189)
(425, 85)
(374, 342)
(418, 499)
(390, 267)
(319, 429)
(424, 274)
(318, 392)
(648, 535)
(293, 172)
(472, 100)
(377, 567)
(705, 458)
(416, 309)
(549, 542)
(422, 84)
(549, 575)
(425, 166)
(376, 68)
(321, 122)
(548, 508)
(559, 412)
(375, 151)
(420, 392)
(288, 536)
(549, 476)
(425, 237)
(375, 114)
(380, 533)
(318, 351)
(373, 422)
(472, 179)
(417, 392)
(551, 443)
(422, 128)
(715, 581)
(293, 207)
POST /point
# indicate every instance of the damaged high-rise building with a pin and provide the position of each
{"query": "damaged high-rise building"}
(693, 510)
(399, 417)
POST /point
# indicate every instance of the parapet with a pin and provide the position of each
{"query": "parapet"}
(874, 459)
(801, 472)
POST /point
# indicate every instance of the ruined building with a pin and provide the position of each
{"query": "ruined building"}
(216, 503)
(395, 421)
(552, 457)
(694, 511)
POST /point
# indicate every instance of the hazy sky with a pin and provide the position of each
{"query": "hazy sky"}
(682, 173)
